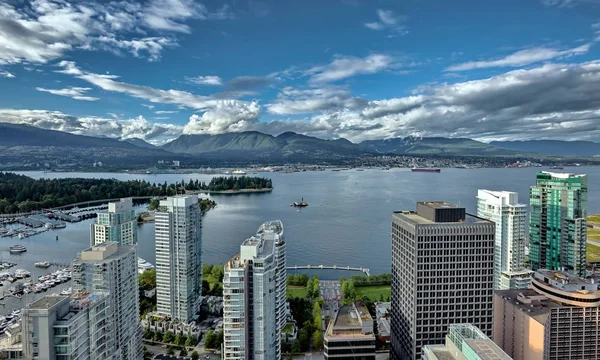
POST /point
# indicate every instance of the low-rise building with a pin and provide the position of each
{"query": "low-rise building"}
(556, 318)
(382, 311)
(350, 335)
(518, 279)
(465, 342)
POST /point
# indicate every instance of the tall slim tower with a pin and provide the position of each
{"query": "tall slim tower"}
(118, 224)
(254, 290)
(111, 268)
(442, 274)
(503, 208)
(178, 257)
(557, 225)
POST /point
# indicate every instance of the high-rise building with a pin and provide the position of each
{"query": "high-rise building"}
(350, 335)
(465, 342)
(442, 274)
(178, 257)
(555, 319)
(111, 268)
(254, 289)
(61, 328)
(118, 224)
(557, 224)
(503, 208)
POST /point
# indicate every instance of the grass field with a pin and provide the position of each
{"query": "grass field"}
(296, 291)
(592, 252)
(374, 292)
(594, 219)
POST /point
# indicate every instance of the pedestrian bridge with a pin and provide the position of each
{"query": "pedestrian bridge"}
(332, 267)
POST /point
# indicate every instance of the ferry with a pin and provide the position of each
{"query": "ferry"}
(299, 204)
(17, 249)
(434, 170)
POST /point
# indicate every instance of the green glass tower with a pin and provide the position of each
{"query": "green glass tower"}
(557, 226)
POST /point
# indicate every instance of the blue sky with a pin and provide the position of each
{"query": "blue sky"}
(489, 70)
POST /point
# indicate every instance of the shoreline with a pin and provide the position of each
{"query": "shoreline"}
(232, 192)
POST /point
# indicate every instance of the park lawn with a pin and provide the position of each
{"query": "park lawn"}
(296, 291)
(594, 219)
(288, 328)
(374, 292)
(593, 234)
(592, 252)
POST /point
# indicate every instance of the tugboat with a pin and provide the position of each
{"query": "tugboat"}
(17, 249)
(299, 204)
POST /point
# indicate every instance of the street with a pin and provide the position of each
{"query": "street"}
(158, 349)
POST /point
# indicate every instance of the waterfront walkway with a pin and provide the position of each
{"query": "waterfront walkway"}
(327, 267)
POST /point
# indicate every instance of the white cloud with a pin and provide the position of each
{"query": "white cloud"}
(567, 3)
(148, 106)
(343, 67)
(6, 74)
(153, 46)
(522, 58)
(77, 93)
(227, 116)
(205, 80)
(168, 14)
(387, 20)
(295, 101)
(166, 112)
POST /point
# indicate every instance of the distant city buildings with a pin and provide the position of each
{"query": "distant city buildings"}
(110, 268)
(557, 226)
(254, 292)
(465, 342)
(178, 257)
(503, 208)
(350, 335)
(77, 327)
(557, 318)
(442, 274)
(117, 224)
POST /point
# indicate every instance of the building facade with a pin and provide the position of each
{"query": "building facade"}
(117, 224)
(108, 267)
(557, 224)
(503, 208)
(442, 274)
(556, 319)
(68, 328)
(178, 257)
(254, 290)
(465, 342)
(350, 335)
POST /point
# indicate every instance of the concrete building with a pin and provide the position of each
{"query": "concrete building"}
(383, 313)
(465, 342)
(442, 274)
(111, 268)
(178, 257)
(557, 318)
(254, 288)
(557, 224)
(61, 328)
(118, 224)
(503, 208)
(350, 335)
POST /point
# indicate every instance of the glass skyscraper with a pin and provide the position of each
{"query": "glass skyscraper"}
(118, 224)
(557, 226)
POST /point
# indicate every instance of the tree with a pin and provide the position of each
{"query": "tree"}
(157, 336)
(296, 346)
(148, 333)
(170, 351)
(317, 315)
(189, 342)
(318, 339)
(195, 355)
(220, 338)
(179, 340)
(209, 339)
(183, 352)
(168, 337)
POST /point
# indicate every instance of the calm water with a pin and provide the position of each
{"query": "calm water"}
(347, 222)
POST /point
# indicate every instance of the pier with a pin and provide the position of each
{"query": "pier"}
(332, 267)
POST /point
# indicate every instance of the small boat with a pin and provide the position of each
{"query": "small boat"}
(299, 204)
(17, 249)
(42, 264)
(434, 170)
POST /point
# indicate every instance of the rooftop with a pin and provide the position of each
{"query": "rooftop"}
(103, 251)
(529, 301)
(487, 349)
(565, 281)
(46, 302)
(562, 175)
(351, 321)
(440, 205)
(417, 219)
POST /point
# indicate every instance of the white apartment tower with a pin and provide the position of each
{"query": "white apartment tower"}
(111, 268)
(503, 208)
(178, 257)
(118, 224)
(254, 289)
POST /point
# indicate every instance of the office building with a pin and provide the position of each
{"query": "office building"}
(503, 208)
(465, 342)
(350, 335)
(178, 257)
(557, 224)
(108, 267)
(557, 318)
(442, 274)
(118, 224)
(254, 290)
(61, 328)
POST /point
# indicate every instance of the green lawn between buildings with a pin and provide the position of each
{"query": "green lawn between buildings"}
(374, 292)
(296, 291)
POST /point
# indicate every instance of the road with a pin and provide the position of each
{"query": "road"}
(315, 356)
(331, 292)
(157, 349)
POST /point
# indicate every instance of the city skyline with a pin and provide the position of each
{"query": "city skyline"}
(157, 69)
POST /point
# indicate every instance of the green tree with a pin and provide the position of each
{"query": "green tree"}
(168, 337)
(318, 339)
(183, 352)
(317, 315)
(147, 280)
(157, 336)
(179, 340)
(296, 346)
(209, 339)
(195, 355)
(189, 342)
(170, 351)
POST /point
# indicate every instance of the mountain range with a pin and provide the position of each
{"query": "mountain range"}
(27, 144)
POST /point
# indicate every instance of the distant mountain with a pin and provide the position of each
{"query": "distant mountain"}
(552, 147)
(435, 146)
(254, 144)
(140, 143)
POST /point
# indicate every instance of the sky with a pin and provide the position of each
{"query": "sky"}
(355, 69)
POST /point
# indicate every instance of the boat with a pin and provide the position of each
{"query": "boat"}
(17, 249)
(42, 264)
(238, 172)
(435, 170)
(557, 167)
(144, 266)
(299, 204)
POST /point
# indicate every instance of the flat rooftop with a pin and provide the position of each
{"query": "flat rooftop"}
(487, 350)
(562, 175)
(563, 275)
(441, 352)
(347, 316)
(440, 205)
(537, 309)
(46, 302)
(417, 219)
